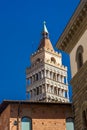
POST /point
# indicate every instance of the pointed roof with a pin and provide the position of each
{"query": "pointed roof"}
(45, 28)
(45, 41)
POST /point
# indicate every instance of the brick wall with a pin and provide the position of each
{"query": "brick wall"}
(5, 118)
(44, 116)
(79, 95)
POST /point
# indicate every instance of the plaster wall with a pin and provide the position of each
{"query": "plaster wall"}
(82, 41)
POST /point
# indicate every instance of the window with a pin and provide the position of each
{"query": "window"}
(79, 57)
(34, 92)
(53, 60)
(39, 75)
(36, 77)
(38, 60)
(40, 89)
(54, 76)
(37, 90)
(69, 123)
(26, 123)
(51, 89)
(55, 90)
(84, 119)
(47, 74)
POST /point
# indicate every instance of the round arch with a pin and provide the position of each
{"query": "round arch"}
(26, 123)
(53, 60)
(79, 56)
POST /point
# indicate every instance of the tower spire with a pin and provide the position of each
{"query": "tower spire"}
(45, 31)
(45, 41)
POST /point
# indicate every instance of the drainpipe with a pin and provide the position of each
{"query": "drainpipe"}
(18, 115)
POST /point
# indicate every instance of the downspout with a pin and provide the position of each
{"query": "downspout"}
(18, 115)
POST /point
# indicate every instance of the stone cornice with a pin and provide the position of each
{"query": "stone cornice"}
(82, 73)
(75, 28)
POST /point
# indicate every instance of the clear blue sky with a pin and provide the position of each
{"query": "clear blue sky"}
(21, 23)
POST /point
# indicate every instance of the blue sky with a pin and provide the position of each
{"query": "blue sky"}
(21, 23)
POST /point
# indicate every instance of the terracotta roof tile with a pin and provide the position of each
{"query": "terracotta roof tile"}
(46, 43)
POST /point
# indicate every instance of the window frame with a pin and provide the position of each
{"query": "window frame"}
(79, 56)
(29, 121)
(69, 119)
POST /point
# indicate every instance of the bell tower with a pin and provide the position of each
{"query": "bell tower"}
(46, 77)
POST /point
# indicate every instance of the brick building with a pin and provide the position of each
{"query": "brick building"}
(74, 41)
(26, 115)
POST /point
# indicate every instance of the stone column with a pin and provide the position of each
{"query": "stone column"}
(43, 71)
(51, 89)
(45, 75)
(54, 89)
(62, 78)
(59, 77)
(30, 80)
(48, 74)
(40, 89)
(52, 75)
(57, 91)
(35, 92)
(64, 93)
(68, 94)
(32, 94)
(47, 87)
(42, 74)
(56, 76)
(66, 80)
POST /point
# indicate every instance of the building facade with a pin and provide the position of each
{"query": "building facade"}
(26, 115)
(47, 77)
(74, 41)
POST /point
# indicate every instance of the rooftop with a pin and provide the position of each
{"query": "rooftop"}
(5, 103)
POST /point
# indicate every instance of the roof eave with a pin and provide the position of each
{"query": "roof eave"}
(5, 103)
(77, 21)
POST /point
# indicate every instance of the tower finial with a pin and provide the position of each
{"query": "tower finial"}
(45, 31)
(44, 22)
